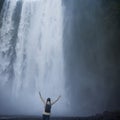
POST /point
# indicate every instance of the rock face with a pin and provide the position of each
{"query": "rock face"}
(92, 55)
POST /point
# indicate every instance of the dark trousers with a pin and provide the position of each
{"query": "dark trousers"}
(46, 117)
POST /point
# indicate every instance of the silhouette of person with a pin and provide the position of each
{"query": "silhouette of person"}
(48, 104)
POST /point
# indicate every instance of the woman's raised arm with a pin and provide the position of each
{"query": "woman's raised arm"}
(55, 100)
(42, 98)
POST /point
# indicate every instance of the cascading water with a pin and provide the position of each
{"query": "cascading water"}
(31, 59)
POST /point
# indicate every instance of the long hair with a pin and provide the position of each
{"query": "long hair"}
(48, 100)
(48, 105)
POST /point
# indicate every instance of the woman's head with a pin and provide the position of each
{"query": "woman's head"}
(48, 100)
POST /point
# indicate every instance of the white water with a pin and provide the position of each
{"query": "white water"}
(39, 61)
(5, 37)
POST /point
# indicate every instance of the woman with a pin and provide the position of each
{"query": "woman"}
(48, 104)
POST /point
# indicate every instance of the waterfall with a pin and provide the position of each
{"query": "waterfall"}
(36, 61)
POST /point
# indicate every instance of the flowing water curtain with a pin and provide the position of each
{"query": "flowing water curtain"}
(6, 35)
(27, 12)
(39, 64)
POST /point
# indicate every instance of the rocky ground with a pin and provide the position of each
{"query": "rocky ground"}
(104, 116)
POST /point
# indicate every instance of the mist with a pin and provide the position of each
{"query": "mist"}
(91, 62)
